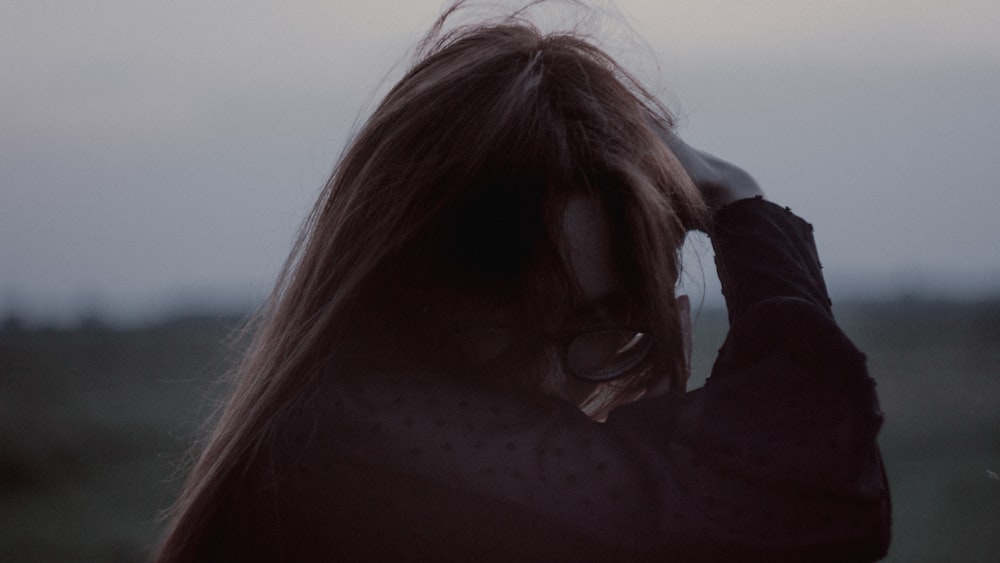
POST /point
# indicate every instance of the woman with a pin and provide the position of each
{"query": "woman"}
(490, 272)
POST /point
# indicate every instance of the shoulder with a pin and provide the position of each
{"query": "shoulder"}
(786, 429)
(787, 374)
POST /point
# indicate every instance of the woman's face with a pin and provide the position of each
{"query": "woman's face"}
(590, 256)
(588, 251)
(496, 341)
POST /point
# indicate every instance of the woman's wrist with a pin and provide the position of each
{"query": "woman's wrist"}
(732, 184)
(719, 181)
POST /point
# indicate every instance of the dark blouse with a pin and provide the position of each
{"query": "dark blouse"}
(774, 459)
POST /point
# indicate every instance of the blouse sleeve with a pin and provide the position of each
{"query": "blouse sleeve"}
(776, 455)
(763, 251)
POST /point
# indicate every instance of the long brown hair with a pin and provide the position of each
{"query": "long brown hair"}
(497, 112)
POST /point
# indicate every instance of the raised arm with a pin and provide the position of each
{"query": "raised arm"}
(775, 458)
(762, 251)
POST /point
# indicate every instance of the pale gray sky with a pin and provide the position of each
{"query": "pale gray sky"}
(158, 153)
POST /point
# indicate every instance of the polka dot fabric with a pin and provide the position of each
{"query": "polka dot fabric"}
(774, 459)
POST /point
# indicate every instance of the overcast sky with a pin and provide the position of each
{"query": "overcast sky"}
(161, 153)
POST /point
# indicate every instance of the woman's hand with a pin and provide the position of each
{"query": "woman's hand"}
(719, 182)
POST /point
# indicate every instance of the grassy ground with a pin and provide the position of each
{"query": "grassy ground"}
(95, 422)
(93, 426)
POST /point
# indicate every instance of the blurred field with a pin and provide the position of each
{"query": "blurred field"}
(95, 422)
